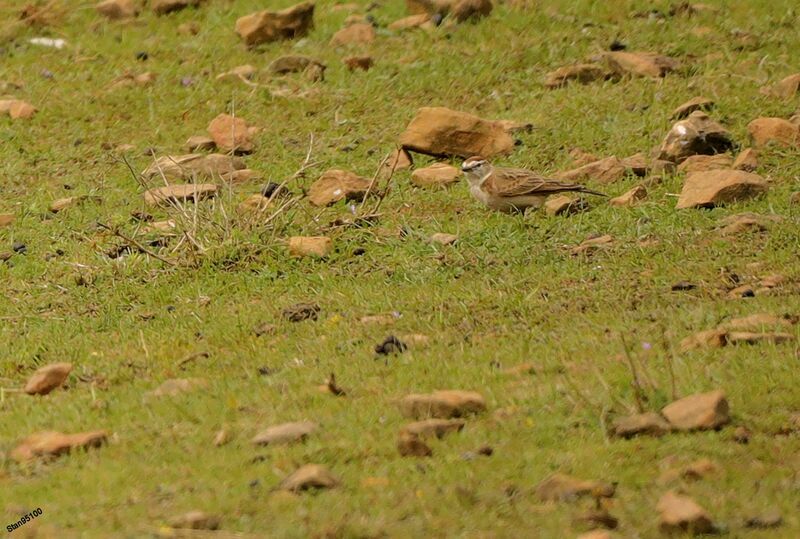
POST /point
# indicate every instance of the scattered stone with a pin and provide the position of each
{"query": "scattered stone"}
(410, 445)
(591, 245)
(700, 411)
(160, 227)
(630, 197)
(438, 174)
(200, 143)
(604, 171)
(743, 291)
(318, 246)
(695, 103)
(636, 164)
(697, 134)
(63, 203)
(442, 404)
(704, 163)
(596, 534)
(661, 166)
(650, 424)
(192, 166)
(747, 337)
(399, 159)
(412, 21)
(682, 514)
(266, 26)
(222, 437)
(747, 160)
(717, 187)
(285, 433)
(430, 428)
(741, 435)
(794, 198)
(465, 10)
(7, 219)
(363, 63)
(645, 64)
(307, 477)
(117, 9)
(190, 28)
(293, 63)
(356, 34)
(782, 132)
(786, 88)
(265, 328)
(243, 72)
(390, 345)
(443, 239)
(335, 185)
(17, 109)
(564, 205)
(596, 518)
(560, 487)
(195, 520)
(301, 311)
(244, 175)
(176, 386)
(699, 469)
(50, 444)
(163, 7)
(443, 132)
(231, 134)
(581, 73)
(172, 194)
(746, 222)
(380, 319)
(48, 378)
(759, 321)
(768, 519)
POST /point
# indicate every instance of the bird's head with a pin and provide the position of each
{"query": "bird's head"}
(476, 168)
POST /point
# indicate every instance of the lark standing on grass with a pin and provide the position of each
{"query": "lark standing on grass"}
(512, 189)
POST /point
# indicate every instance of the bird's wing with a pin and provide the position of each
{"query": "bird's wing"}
(519, 182)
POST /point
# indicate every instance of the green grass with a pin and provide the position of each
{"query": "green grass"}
(508, 292)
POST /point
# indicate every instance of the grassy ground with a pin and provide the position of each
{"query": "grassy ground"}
(507, 293)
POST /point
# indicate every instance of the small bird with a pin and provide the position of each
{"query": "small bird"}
(512, 189)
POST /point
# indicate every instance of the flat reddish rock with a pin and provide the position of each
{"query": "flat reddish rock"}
(231, 134)
(438, 174)
(645, 64)
(443, 132)
(703, 163)
(701, 411)
(356, 34)
(117, 9)
(192, 166)
(747, 160)
(680, 514)
(317, 246)
(161, 196)
(718, 187)
(650, 424)
(604, 171)
(630, 197)
(309, 476)
(412, 21)
(266, 26)
(285, 433)
(562, 487)
(786, 88)
(335, 185)
(774, 130)
(564, 205)
(430, 428)
(410, 445)
(48, 378)
(49, 444)
(695, 103)
(580, 73)
(442, 404)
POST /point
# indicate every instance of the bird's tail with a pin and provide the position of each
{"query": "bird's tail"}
(582, 189)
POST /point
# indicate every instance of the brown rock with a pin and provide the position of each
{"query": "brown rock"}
(695, 103)
(768, 519)
(335, 185)
(604, 171)
(645, 64)
(301, 311)
(49, 444)
(747, 337)
(64, 203)
(561, 487)
(399, 160)
(431, 7)
(630, 197)
(443, 238)
(222, 437)
(582, 73)
(358, 62)
(171, 194)
(117, 9)
(292, 63)
(441, 131)
(442, 404)
(309, 476)
(355, 34)
(701, 411)
(591, 245)
(682, 514)
(244, 175)
(596, 518)
(717, 187)
(265, 26)
(747, 160)
(438, 174)
(192, 166)
(285, 433)
(704, 163)
(231, 134)
(195, 520)
(200, 143)
(782, 132)
(650, 424)
(7, 219)
(759, 321)
(697, 134)
(794, 198)
(162, 7)
(581, 157)
(712, 338)
(17, 109)
(700, 469)
(636, 164)
(746, 222)
(410, 445)
(48, 378)
(412, 21)
(176, 386)
(188, 28)
(786, 88)
(596, 534)
(662, 166)
(464, 10)
(564, 205)
(430, 428)
(319, 246)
